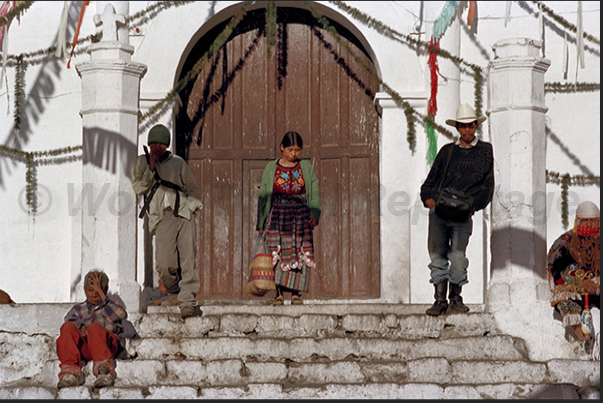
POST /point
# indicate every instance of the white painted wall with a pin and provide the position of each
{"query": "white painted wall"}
(38, 257)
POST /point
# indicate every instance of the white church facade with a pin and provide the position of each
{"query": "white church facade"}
(74, 125)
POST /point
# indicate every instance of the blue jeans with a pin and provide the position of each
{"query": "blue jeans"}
(447, 243)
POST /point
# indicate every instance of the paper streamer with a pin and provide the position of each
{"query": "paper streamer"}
(471, 13)
(580, 39)
(508, 13)
(62, 36)
(444, 19)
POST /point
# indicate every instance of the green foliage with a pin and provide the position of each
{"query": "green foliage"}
(270, 28)
(33, 159)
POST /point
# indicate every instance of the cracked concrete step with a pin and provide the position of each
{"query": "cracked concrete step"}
(276, 391)
(236, 372)
(304, 324)
(497, 347)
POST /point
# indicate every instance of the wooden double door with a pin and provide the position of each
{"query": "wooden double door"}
(233, 119)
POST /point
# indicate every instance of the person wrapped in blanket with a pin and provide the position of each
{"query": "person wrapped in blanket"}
(573, 270)
(93, 330)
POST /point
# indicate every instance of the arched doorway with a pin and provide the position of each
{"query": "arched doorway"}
(245, 103)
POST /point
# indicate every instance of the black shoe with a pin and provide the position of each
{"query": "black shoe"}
(440, 305)
(456, 301)
(438, 308)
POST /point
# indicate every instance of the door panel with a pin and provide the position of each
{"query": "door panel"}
(241, 105)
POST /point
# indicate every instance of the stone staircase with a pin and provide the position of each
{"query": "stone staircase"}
(316, 350)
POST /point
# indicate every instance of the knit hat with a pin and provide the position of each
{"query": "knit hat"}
(159, 134)
(587, 210)
(465, 114)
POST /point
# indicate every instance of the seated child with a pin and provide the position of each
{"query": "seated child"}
(93, 331)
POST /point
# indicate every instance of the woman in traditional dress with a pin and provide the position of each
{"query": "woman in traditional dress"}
(288, 210)
(573, 269)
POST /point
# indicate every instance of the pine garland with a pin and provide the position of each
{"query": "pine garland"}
(18, 9)
(282, 55)
(29, 158)
(270, 28)
(31, 187)
(566, 24)
(155, 8)
(192, 73)
(566, 180)
(386, 30)
(411, 136)
(163, 5)
(573, 180)
(19, 92)
(31, 173)
(572, 87)
(382, 28)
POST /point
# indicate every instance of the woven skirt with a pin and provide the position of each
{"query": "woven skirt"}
(289, 237)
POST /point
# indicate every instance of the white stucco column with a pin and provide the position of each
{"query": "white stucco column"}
(518, 292)
(400, 179)
(110, 107)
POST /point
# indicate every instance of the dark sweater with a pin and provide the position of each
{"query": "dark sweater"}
(470, 169)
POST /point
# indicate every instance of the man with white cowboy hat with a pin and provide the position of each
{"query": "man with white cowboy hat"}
(465, 165)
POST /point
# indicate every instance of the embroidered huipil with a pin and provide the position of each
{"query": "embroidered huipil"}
(289, 181)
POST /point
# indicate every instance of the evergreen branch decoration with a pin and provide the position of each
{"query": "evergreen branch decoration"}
(572, 87)
(163, 5)
(33, 159)
(566, 24)
(478, 88)
(270, 28)
(397, 98)
(573, 180)
(411, 135)
(31, 187)
(479, 85)
(382, 28)
(18, 9)
(31, 174)
(565, 179)
(196, 69)
(19, 91)
(387, 31)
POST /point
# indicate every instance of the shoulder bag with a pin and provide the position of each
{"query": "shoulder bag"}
(452, 204)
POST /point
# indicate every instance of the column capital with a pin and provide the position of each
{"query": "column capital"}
(383, 100)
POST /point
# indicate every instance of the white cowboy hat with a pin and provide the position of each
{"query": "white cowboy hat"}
(465, 114)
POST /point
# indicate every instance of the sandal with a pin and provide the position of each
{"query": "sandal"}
(296, 300)
(277, 301)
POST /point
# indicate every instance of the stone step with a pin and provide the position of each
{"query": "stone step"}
(285, 323)
(239, 373)
(497, 347)
(277, 391)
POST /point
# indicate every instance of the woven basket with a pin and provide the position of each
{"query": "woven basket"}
(261, 275)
